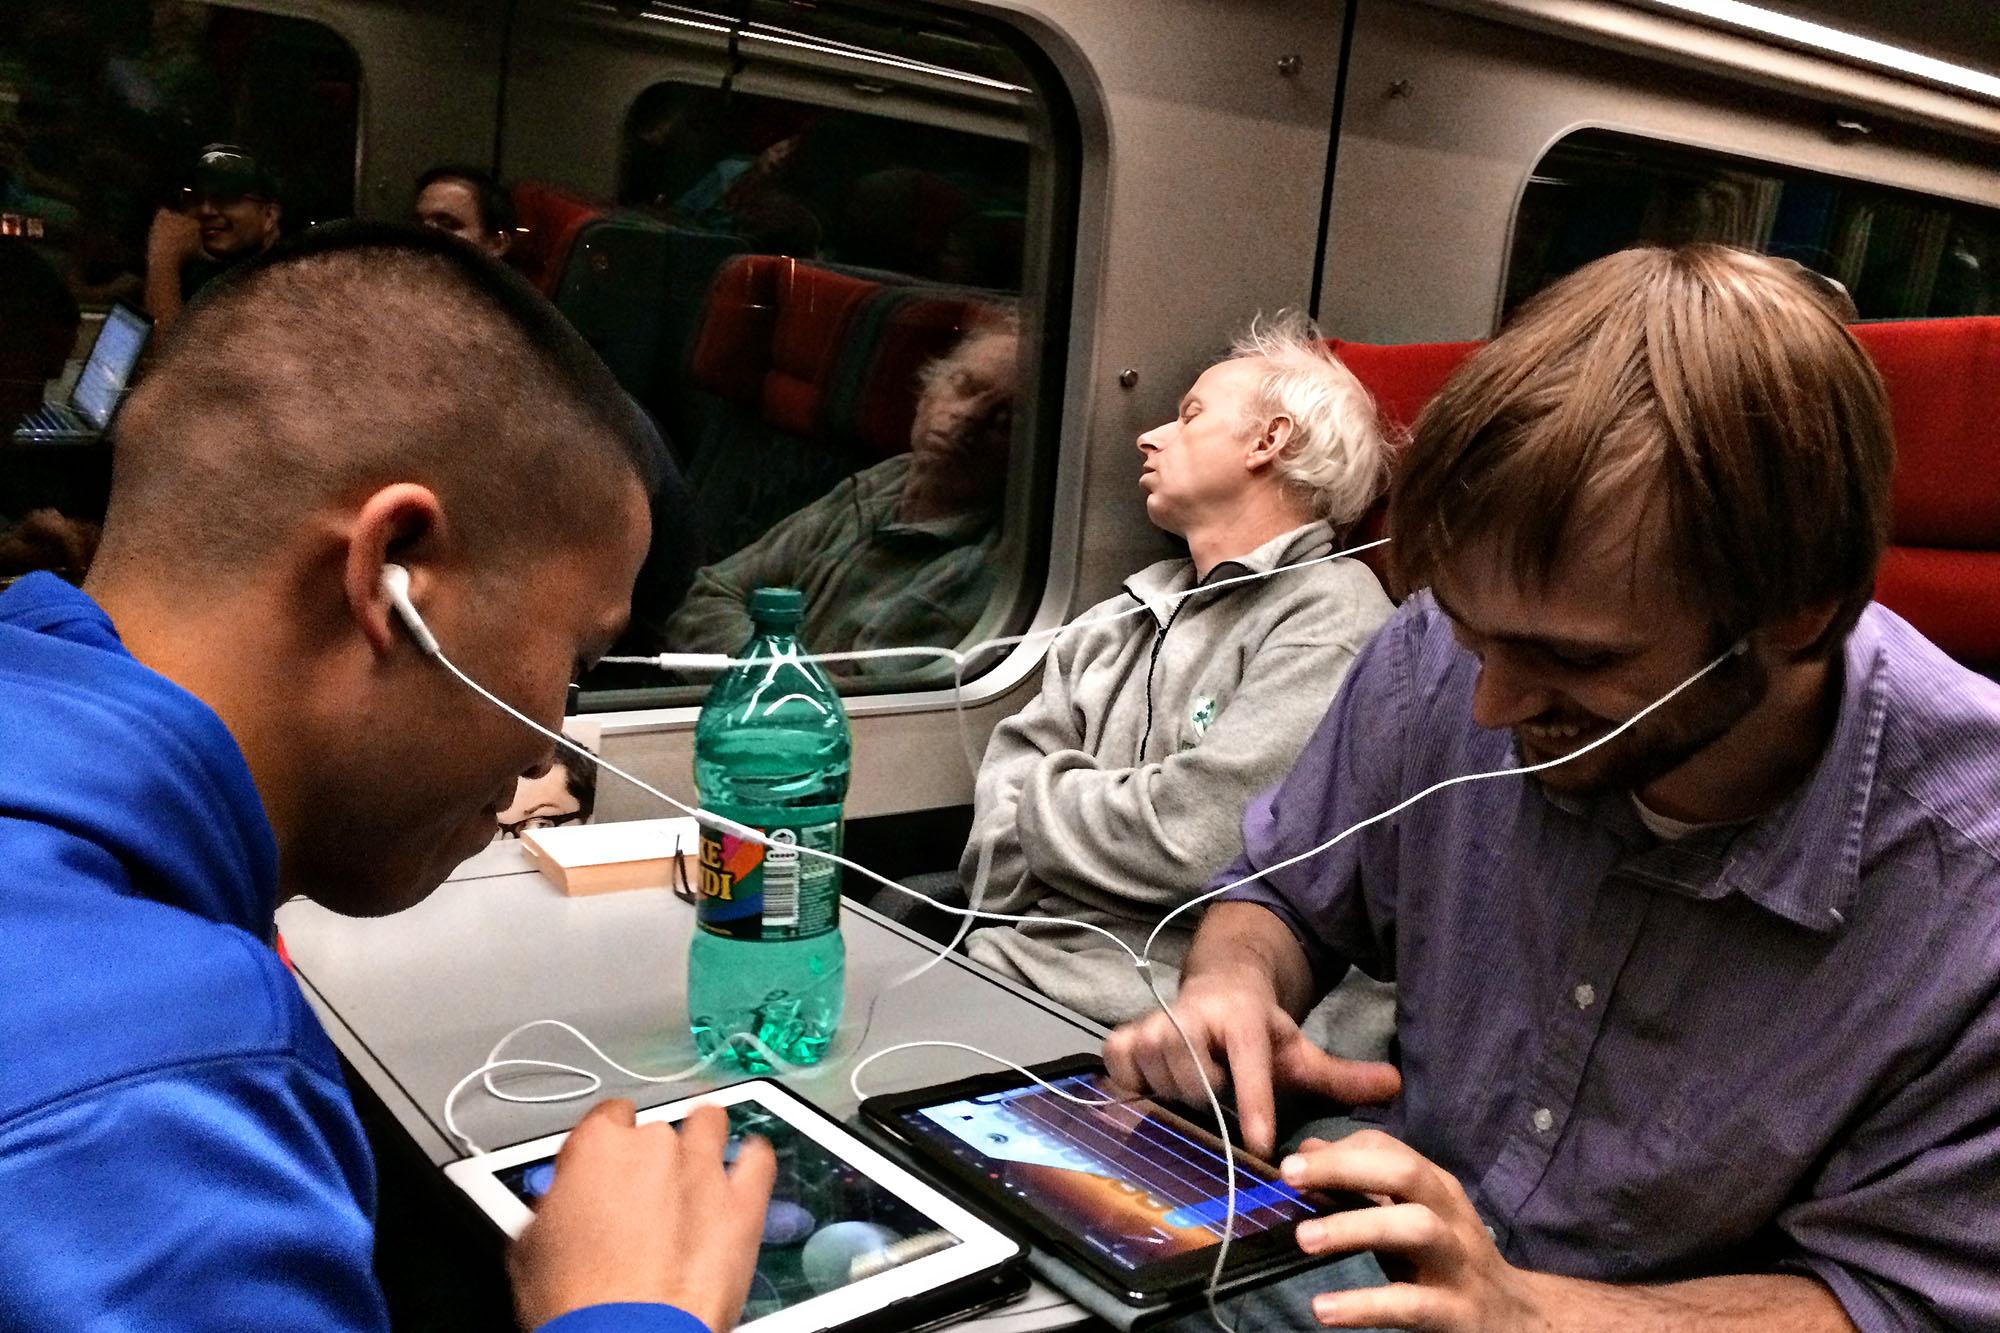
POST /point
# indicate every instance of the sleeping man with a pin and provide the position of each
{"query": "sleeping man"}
(1115, 794)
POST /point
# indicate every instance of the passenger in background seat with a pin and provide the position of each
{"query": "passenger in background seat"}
(232, 213)
(897, 555)
(1118, 791)
(467, 203)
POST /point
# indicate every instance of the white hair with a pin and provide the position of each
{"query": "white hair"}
(1337, 460)
(981, 323)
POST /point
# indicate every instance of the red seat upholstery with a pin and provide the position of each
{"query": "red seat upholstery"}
(771, 336)
(549, 218)
(1942, 570)
(1401, 379)
(901, 330)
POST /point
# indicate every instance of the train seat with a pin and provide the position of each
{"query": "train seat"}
(549, 217)
(810, 374)
(1942, 569)
(897, 332)
(1401, 378)
(772, 333)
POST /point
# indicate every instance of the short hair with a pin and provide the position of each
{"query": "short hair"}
(579, 779)
(496, 206)
(1337, 459)
(357, 356)
(1710, 381)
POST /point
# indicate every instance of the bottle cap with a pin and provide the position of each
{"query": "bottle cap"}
(782, 606)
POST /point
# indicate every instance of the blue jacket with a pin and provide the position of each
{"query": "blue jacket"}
(177, 1148)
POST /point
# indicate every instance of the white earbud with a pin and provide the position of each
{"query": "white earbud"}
(396, 587)
(1740, 647)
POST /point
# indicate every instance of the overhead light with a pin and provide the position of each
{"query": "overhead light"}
(687, 16)
(1820, 37)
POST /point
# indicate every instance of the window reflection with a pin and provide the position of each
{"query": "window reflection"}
(900, 553)
(144, 148)
(1899, 255)
(803, 256)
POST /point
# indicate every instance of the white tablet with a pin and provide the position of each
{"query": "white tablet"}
(849, 1233)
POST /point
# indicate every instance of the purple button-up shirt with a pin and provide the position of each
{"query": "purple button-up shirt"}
(1770, 1047)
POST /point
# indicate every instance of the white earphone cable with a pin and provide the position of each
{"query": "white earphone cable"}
(1141, 961)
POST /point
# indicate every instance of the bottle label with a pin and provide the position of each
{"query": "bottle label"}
(753, 892)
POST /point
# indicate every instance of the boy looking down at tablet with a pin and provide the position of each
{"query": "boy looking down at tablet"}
(230, 713)
(1703, 1025)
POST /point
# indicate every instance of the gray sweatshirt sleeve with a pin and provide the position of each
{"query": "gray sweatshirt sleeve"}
(1047, 725)
(1131, 840)
(715, 618)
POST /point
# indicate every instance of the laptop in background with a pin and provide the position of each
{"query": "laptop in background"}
(99, 388)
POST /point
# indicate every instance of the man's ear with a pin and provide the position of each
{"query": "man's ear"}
(1793, 634)
(1267, 445)
(401, 524)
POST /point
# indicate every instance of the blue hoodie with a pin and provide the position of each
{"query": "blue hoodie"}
(177, 1148)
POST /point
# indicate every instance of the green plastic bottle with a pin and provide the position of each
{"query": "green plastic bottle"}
(771, 750)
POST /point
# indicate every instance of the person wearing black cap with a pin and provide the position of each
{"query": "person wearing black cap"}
(232, 213)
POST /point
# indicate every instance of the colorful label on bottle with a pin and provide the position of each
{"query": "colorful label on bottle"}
(753, 892)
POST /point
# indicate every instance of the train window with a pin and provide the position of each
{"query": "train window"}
(1899, 254)
(827, 263)
(107, 196)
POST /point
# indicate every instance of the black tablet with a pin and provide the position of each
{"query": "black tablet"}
(1131, 1193)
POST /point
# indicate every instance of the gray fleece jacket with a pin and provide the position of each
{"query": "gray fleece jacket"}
(1119, 791)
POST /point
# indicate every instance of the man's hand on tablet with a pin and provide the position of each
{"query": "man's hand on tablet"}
(646, 1213)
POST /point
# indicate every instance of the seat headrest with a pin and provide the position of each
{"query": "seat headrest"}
(1940, 375)
(771, 334)
(549, 216)
(1402, 378)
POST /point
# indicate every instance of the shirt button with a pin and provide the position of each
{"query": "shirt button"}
(1544, 1120)
(1585, 995)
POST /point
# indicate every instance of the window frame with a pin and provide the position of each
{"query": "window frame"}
(1651, 138)
(1030, 521)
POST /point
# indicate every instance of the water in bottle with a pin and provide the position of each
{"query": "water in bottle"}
(771, 751)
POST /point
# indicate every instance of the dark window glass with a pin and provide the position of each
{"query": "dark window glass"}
(104, 197)
(1899, 254)
(817, 270)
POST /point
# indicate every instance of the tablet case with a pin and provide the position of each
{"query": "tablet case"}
(1075, 1284)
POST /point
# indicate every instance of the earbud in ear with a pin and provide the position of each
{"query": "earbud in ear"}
(1740, 647)
(396, 587)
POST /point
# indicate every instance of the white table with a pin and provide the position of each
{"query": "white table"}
(415, 1001)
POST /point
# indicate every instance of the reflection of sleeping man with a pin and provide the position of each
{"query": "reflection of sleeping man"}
(899, 554)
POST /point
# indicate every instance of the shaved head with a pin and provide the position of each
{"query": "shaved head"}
(359, 356)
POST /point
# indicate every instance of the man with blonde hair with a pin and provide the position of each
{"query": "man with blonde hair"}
(1114, 795)
(1698, 1027)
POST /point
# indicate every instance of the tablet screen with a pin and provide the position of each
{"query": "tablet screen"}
(1128, 1181)
(828, 1226)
